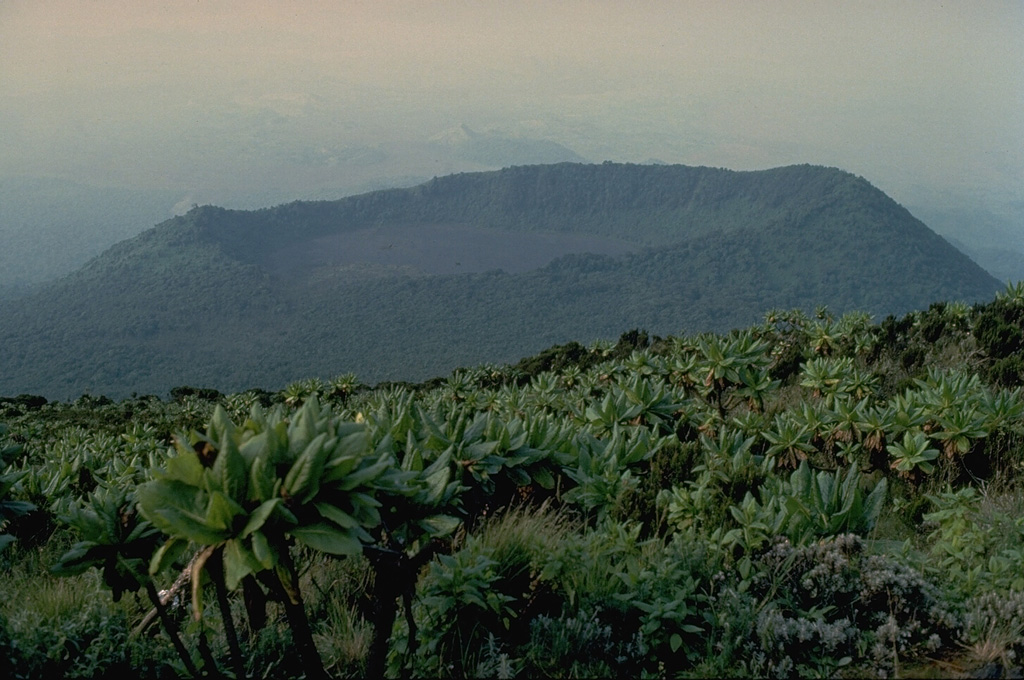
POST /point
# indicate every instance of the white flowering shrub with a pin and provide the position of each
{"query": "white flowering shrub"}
(830, 605)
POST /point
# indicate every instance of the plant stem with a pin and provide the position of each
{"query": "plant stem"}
(295, 612)
(172, 629)
(394, 575)
(206, 652)
(216, 567)
(386, 588)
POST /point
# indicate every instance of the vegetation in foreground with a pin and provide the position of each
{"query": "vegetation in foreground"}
(810, 496)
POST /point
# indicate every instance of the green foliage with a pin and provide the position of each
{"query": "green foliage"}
(9, 507)
(674, 506)
(663, 590)
(728, 472)
(461, 606)
(837, 378)
(977, 544)
(92, 641)
(248, 488)
(586, 565)
(804, 508)
(830, 504)
(114, 539)
(789, 439)
(575, 646)
(601, 472)
(913, 454)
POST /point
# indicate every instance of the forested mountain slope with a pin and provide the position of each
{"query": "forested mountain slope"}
(236, 299)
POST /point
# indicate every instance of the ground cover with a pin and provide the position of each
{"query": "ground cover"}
(810, 496)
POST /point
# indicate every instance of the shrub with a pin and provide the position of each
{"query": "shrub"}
(993, 629)
(829, 605)
(579, 646)
(92, 639)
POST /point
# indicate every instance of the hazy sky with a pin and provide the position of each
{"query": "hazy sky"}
(921, 98)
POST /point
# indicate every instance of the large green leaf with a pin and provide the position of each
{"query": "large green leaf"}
(254, 447)
(439, 525)
(873, 504)
(336, 515)
(221, 429)
(8, 481)
(187, 525)
(519, 476)
(222, 511)
(259, 516)
(277, 442)
(543, 477)
(364, 475)
(303, 479)
(264, 552)
(81, 557)
(239, 562)
(185, 467)
(344, 520)
(166, 554)
(351, 444)
(364, 509)
(177, 509)
(413, 458)
(480, 450)
(436, 478)
(340, 467)
(305, 427)
(850, 496)
(11, 509)
(229, 473)
(328, 538)
(262, 478)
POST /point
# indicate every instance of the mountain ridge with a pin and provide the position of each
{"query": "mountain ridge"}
(652, 201)
(196, 300)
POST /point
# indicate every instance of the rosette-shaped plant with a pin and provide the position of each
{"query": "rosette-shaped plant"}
(245, 494)
(252, 490)
(9, 508)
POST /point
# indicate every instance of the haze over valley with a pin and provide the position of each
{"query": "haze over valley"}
(142, 134)
(133, 112)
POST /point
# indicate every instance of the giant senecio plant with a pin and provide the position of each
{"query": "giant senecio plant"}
(9, 507)
(246, 494)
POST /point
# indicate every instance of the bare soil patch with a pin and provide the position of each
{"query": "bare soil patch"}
(442, 249)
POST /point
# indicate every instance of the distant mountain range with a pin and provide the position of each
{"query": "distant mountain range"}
(500, 150)
(993, 240)
(50, 227)
(407, 284)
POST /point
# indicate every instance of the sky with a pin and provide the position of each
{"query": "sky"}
(213, 98)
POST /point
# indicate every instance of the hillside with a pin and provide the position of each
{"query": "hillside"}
(235, 299)
(49, 227)
(992, 238)
(812, 496)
